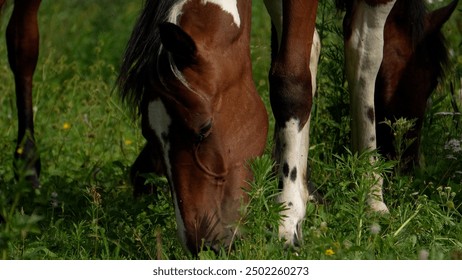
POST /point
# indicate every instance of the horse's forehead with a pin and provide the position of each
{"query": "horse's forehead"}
(227, 6)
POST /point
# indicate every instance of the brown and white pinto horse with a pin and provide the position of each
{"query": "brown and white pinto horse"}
(22, 38)
(187, 72)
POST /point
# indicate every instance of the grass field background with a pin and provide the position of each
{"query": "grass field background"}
(88, 140)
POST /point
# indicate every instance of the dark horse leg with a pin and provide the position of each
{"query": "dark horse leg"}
(147, 162)
(22, 37)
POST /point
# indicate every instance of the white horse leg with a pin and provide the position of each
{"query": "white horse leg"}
(293, 164)
(364, 54)
(292, 134)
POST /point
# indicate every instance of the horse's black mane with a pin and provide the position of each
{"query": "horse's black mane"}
(139, 65)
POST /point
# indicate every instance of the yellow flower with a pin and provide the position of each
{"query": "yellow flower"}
(329, 252)
(20, 151)
(66, 126)
(128, 142)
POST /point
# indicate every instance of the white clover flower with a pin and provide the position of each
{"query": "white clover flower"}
(453, 145)
(375, 229)
(423, 254)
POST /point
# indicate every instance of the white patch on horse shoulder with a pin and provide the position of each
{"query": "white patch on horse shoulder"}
(228, 6)
(159, 122)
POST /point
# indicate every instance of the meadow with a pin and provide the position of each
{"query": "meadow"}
(88, 140)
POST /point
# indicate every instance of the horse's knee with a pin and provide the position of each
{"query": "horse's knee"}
(290, 97)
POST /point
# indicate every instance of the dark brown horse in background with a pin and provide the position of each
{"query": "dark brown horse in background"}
(22, 39)
(415, 58)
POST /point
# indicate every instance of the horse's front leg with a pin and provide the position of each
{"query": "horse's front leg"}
(364, 43)
(292, 84)
(22, 38)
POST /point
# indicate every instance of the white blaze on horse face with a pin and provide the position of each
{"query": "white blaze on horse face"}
(160, 122)
(364, 54)
(294, 163)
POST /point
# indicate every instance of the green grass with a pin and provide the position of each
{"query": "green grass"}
(87, 142)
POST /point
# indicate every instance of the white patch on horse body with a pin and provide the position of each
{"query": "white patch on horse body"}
(229, 6)
(364, 54)
(160, 121)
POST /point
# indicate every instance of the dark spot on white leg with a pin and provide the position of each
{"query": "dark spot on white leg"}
(293, 174)
(371, 115)
(285, 170)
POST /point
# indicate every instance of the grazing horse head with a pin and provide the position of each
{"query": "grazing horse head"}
(187, 71)
(415, 56)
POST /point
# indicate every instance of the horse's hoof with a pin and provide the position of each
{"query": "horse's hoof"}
(378, 206)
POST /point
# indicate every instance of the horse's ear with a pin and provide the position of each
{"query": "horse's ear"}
(178, 43)
(437, 18)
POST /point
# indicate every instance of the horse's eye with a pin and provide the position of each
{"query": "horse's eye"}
(204, 131)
